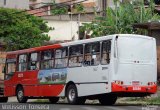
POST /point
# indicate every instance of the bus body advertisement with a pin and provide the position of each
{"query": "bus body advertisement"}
(102, 68)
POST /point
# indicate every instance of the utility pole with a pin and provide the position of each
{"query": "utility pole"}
(104, 6)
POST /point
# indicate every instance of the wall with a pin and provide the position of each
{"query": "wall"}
(156, 34)
(18, 4)
(64, 30)
(2, 64)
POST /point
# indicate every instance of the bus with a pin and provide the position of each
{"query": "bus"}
(103, 68)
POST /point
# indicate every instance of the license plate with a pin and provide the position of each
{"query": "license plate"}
(136, 88)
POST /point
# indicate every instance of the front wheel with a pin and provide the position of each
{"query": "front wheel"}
(72, 95)
(53, 100)
(108, 99)
(20, 95)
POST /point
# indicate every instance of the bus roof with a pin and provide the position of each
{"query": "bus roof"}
(59, 45)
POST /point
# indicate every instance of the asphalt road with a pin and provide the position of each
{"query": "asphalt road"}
(14, 105)
(46, 106)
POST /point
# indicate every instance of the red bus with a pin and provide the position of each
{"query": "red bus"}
(101, 68)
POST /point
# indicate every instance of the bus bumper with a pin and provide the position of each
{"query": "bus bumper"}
(129, 88)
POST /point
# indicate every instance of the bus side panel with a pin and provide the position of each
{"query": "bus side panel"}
(9, 90)
(43, 90)
(90, 80)
(50, 90)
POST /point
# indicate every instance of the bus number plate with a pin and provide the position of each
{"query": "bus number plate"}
(136, 88)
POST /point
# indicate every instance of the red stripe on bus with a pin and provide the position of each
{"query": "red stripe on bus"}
(129, 88)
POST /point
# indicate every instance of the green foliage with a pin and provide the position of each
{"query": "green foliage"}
(59, 10)
(18, 30)
(79, 7)
(121, 19)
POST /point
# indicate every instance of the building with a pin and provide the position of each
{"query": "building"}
(17, 4)
(66, 26)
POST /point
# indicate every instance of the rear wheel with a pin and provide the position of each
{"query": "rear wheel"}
(53, 100)
(72, 95)
(20, 95)
(3, 99)
(108, 99)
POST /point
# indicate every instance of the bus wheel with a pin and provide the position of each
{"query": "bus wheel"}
(108, 99)
(3, 99)
(72, 95)
(53, 100)
(20, 95)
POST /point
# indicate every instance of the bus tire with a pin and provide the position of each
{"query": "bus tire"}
(53, 100)
(72, 95)
(3, 99)
(108, 99)
(20, 95)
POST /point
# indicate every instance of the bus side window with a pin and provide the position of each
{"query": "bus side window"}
(92, 54)
(10, 69)
(22, 64)
(75, 55)
(33, 61)
(106, 51)
(61, 57)
(47, 60)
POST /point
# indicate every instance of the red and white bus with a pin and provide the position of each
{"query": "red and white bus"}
(102, 68)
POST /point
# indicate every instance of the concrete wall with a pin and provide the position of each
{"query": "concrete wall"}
(18, 4)
(64, 30)
(156, 34)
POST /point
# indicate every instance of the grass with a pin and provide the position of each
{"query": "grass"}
(140, 101)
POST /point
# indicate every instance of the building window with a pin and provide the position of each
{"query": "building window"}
(106, 51)
(22, 62)
(92, 54)
(5, 1)
(75, 56)
(47, 60)
(61, 57)
(33, 61)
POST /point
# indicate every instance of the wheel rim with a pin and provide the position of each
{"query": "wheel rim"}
(72, 94)
(20, 95)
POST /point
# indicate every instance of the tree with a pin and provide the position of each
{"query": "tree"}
(121, 19)
(19, 30)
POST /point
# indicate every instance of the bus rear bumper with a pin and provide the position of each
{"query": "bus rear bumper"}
(129, 88)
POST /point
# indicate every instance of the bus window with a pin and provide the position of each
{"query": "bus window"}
(92, 54)
(61, 58)
(22, 66)
(75, 55)
(47, 60)
(11, 68)
(106, 50)
(33, 61)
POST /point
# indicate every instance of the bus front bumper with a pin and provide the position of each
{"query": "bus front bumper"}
(129, 88)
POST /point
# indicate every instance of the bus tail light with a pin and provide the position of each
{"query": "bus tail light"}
(119, 82)
(151, 83)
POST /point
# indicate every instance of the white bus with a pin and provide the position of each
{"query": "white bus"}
(102, 68)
